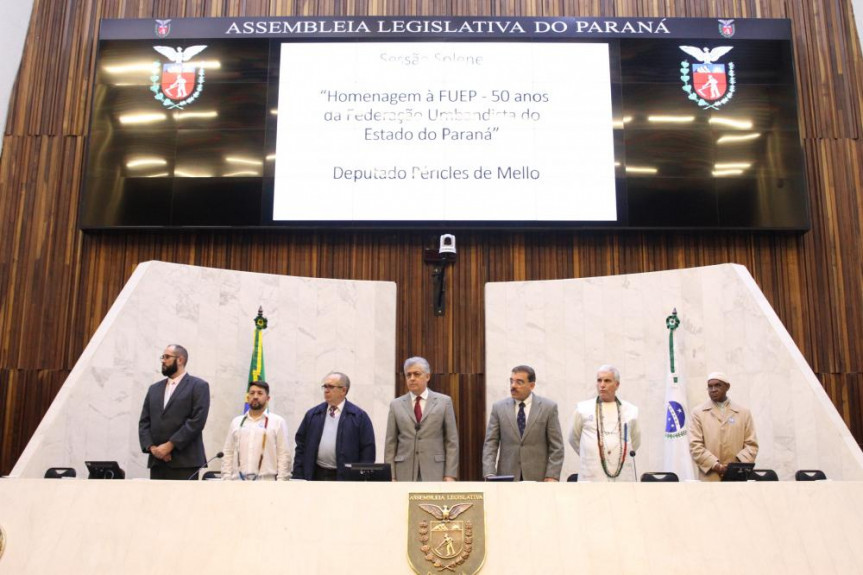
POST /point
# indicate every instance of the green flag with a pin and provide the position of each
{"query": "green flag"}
(256, 368)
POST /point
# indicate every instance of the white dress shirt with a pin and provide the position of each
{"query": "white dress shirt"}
(527, 403)
(243, 448)
(171, 387)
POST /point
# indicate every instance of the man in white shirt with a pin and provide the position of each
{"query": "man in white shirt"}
(604, 431)
(257, 444)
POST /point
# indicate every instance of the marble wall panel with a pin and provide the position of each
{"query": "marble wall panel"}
(315, 326)
(565, 329)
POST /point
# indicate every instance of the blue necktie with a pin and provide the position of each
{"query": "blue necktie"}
(520, 419)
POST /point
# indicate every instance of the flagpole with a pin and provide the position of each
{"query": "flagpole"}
(256, 366)
(672, 322)
(676, 456)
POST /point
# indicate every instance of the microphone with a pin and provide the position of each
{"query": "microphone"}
(634, 468)
(219, 455)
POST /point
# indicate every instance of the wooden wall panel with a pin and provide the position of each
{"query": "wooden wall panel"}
(56, 284)
(24, 398)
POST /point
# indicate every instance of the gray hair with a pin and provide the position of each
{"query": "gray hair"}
(612, 369)
(416, 360)
(343, 379)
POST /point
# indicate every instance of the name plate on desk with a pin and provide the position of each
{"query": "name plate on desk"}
(446, 533)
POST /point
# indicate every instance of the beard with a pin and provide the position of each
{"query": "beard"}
(169, 369)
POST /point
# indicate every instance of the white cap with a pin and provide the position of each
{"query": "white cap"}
(718, 375)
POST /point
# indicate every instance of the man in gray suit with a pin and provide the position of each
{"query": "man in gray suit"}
(422, 439)
(523, 436)
(172, 419)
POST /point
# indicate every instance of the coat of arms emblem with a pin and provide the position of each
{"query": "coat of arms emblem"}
(726, 28)
(710, 84)
(446, 533)
(179, 82)
(163, 28)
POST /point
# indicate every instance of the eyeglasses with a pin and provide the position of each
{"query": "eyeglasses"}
(163, 357)
(329, 387)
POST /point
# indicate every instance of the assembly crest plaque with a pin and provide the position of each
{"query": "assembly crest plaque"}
(446, 533)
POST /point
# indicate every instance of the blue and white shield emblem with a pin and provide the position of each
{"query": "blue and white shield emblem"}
(675, 420)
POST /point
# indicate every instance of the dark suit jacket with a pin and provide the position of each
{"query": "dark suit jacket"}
(181, 421)
(355, 440)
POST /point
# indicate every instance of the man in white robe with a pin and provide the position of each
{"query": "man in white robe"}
(605, 431)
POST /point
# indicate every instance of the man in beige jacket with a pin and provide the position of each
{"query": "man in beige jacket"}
(721, 431)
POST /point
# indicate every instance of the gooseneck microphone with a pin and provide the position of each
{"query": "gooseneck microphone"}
(634, 468)
(219, 455)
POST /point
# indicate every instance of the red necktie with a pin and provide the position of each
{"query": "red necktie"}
(418, 412)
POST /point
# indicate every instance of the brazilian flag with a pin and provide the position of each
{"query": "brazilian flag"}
(256, 367)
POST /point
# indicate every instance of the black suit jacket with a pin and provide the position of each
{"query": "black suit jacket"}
(181, 421)
(355, 440)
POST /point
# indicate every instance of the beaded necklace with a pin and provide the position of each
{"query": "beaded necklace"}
(600, 420)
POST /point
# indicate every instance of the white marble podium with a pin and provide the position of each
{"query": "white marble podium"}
(141, 526)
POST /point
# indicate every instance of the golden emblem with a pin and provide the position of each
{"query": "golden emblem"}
(446, 533)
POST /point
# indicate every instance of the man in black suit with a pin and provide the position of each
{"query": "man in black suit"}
(333, 433)
(174, 414)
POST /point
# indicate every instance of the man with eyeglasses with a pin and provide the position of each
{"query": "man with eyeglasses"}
(523, 437)
(173, 418)
(422, 439)
(256, 448)
(332, 434)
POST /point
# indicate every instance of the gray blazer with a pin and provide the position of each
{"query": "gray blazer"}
(537, 455)
(434, 440)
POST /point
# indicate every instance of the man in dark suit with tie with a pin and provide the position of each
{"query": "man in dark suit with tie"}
(172, 419)
(422, 439)
(333, 433)
(523, 438)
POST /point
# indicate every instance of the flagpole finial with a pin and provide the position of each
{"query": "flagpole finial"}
(260, 320)
(672, 322)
